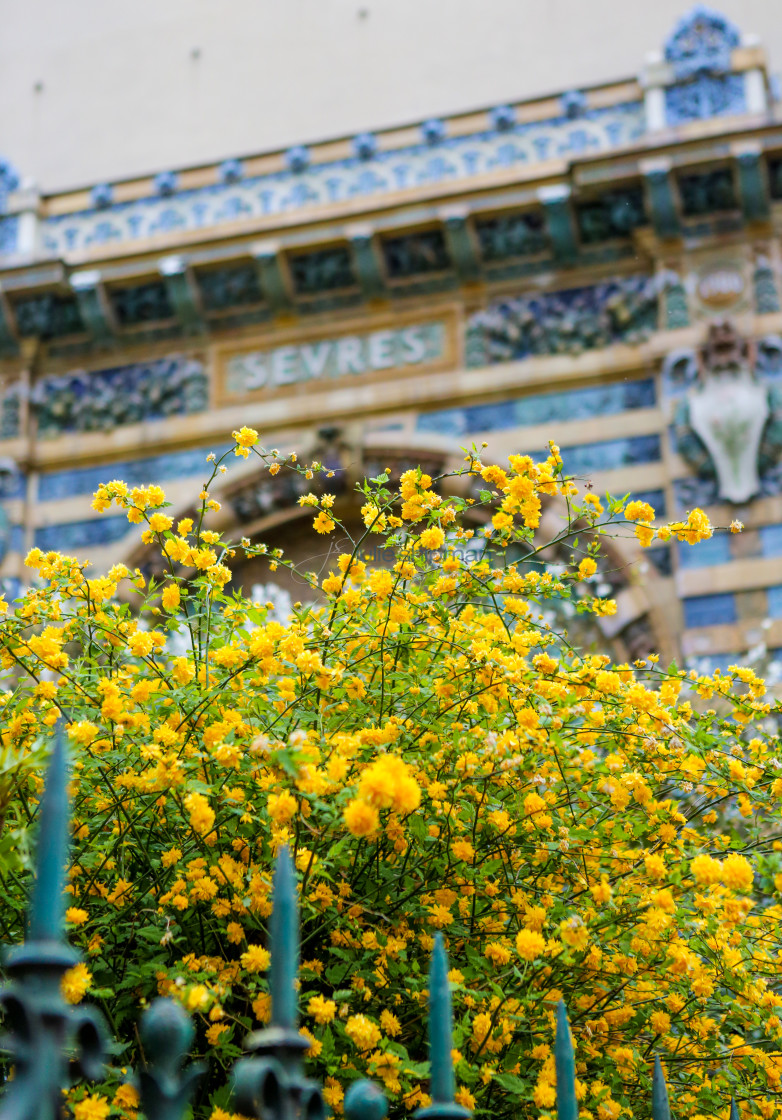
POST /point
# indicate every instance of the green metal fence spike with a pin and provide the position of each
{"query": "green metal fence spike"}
(565, 1065)
(365, 1101)
(165, 1087)
(443, 1083)
(734, 1112)
(660, 1107)
(48, 1039)
(284, 939)
(46, 905)
(271, 1084)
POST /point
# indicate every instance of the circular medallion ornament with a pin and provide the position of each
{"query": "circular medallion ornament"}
(721, 287)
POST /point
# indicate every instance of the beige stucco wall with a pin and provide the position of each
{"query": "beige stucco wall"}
(102, 89)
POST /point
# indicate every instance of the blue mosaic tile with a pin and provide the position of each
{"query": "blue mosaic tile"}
(705, 554)
(104, 399)
(541, 408)
(610, 455)
(711, 610)
(774, 595)
(12, 484)
(16, 540)
(136, 472)
(770, 540)
(78, 534)
(707, 665)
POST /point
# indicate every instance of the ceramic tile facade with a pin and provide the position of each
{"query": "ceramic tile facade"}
(540, 408)
(80, 534)
(54, 485)
(710, 610)
(320, 184)
(715, 550)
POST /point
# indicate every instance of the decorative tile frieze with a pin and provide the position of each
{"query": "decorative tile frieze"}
(104, 399)
(540, 408)
(567, 322)
(70, 535)
(55, 485)
(452, 159)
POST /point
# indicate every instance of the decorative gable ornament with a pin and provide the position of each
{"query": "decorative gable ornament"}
(701, 43)
(730, 424)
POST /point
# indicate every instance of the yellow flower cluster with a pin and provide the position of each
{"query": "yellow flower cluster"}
(438, 753)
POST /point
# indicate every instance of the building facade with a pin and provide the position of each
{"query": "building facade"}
(600, 267)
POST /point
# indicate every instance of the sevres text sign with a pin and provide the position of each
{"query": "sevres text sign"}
(395, 348)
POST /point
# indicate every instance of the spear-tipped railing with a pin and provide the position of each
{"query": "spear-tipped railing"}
(46, 1036)
(50, 1040)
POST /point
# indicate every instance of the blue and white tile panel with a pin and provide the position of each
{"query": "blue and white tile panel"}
(451, 160)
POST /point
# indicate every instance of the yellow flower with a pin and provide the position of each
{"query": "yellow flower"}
(213, 1033)
(497, 953)
(737, 872)
(76, 983)
(159, 522)
(255, 958)
(246, 437)
(645, 534)
(388, 783)
(362, 1032)
(530, 944)
(323, 523)
(172, 856)
(706, 870)
(432, 538)
(322, 1010)
(639, 511)
(76, 916)
(126, 1098)
(92, 1107)
(390, 1024)
(141, 643)
(170, 597)
(281, 807)
(202, 816)
(198, 998)
(587, 567)
(360, 818)
(462, 849)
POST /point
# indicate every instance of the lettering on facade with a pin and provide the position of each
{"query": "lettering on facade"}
(351, 355)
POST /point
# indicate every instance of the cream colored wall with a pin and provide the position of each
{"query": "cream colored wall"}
(93, 90)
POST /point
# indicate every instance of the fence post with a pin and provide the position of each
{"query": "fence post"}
(660, 1107)
(565, 1066)
(442, 1081)
(42, 1028)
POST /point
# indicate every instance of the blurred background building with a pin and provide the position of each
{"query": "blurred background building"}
(379, 233)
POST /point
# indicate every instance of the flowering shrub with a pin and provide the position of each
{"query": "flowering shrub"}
(438, 757)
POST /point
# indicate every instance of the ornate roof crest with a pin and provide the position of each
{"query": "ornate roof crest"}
(701, 42)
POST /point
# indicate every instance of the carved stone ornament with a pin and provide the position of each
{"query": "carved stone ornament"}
(728, 425)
